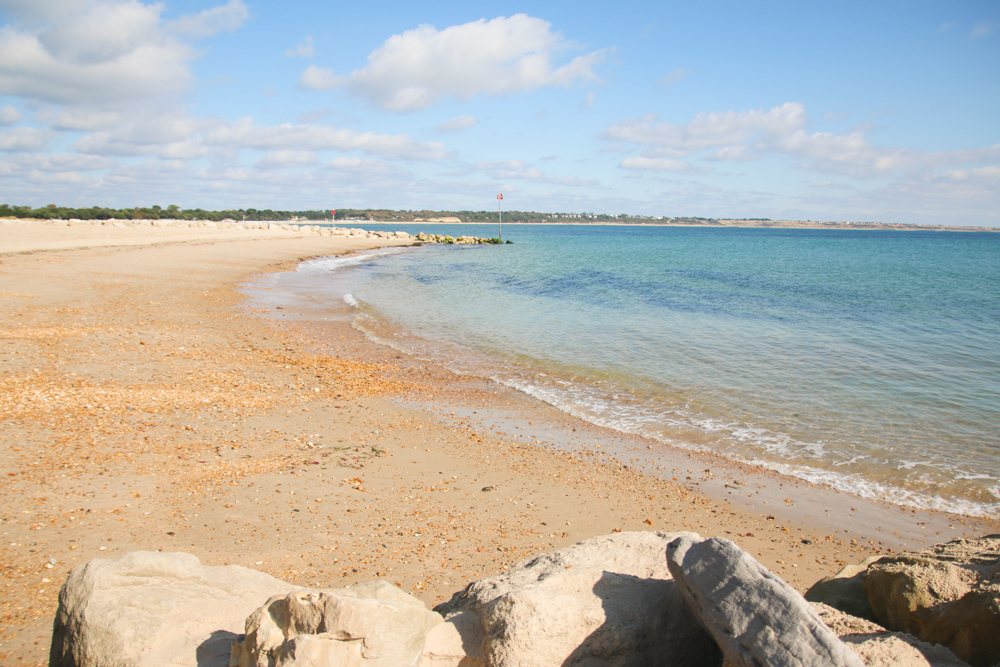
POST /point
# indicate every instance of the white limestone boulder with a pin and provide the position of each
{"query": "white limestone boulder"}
(373, 624)
(604, 601)
(148, 609)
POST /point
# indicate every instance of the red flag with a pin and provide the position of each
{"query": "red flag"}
(333, 213)
(499, 196)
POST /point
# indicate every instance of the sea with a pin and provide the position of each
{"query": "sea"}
(865, 360)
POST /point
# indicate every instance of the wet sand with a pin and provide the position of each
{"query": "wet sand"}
(146, 404)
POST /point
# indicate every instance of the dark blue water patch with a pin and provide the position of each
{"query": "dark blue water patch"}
(839, 291)
(683, 290)
(427, 273)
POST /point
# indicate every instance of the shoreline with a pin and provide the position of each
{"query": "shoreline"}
(298, 225)
(722, 481)
(722, 224)
(149, 406)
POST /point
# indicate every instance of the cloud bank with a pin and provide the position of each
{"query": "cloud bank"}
(415, 69)
(747, 135)
(103, 52)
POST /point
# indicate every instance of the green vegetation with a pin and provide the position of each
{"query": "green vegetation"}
(385, 215)
(173, 212)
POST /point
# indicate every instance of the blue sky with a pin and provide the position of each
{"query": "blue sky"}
(854, 111)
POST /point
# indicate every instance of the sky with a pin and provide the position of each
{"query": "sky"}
(855, 111)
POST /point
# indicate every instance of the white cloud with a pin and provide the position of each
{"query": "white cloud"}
(65, 162)
(504, 55)
(24, 139)
(9, 115)
(657, 164)
(518, 170)
(849, 152)
(85, 119)
(672, 77)
(34, 10)
(748, 135)
(168, 135)
(171, 134)
(209, 22)
(103, 52)
(732, 154)
(989, 175)
(109, 144)
(982, 29)
(457, 123)
(60, 177)
(188, 149)
(366, 166)
(707, 130)
(588, 102)
(831, 185)
(314, 116)
(244, 134)
(304, 49)
(286, 159)
(320, 78)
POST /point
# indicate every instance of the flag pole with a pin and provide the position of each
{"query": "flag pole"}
(500, 213)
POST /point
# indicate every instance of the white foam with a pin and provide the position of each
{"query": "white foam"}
(866, 488)
(337, 262)
(575, 401)
(351, 301)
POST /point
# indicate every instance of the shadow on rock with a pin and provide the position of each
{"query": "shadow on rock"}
(647, 623)
(214, 651)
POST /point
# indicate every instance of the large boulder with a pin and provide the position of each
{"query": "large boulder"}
(756, 618)
(152, 609)
(947, 594)
(604, 601)
(373, 624)
(877, 647)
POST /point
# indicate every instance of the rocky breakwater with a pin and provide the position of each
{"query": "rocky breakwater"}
(459, 240)
(640, 598)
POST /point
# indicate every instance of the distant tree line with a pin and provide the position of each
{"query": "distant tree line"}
(173, 212)
(386, 215)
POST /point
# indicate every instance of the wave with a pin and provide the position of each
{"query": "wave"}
(335, 263)
(620, 410)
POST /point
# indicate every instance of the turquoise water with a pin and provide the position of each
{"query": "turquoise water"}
(868, 360)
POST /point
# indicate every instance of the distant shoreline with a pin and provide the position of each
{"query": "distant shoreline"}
(632, 221)
(745, 224)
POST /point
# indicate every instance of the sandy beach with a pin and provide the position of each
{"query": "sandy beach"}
(152, 398)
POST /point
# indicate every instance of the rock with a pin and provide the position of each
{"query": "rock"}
(147, 608)
(604, 601)
(845, 591)
(948, 594)
(372, 624)
(756, 618)
(450, 643)
(878, 647)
